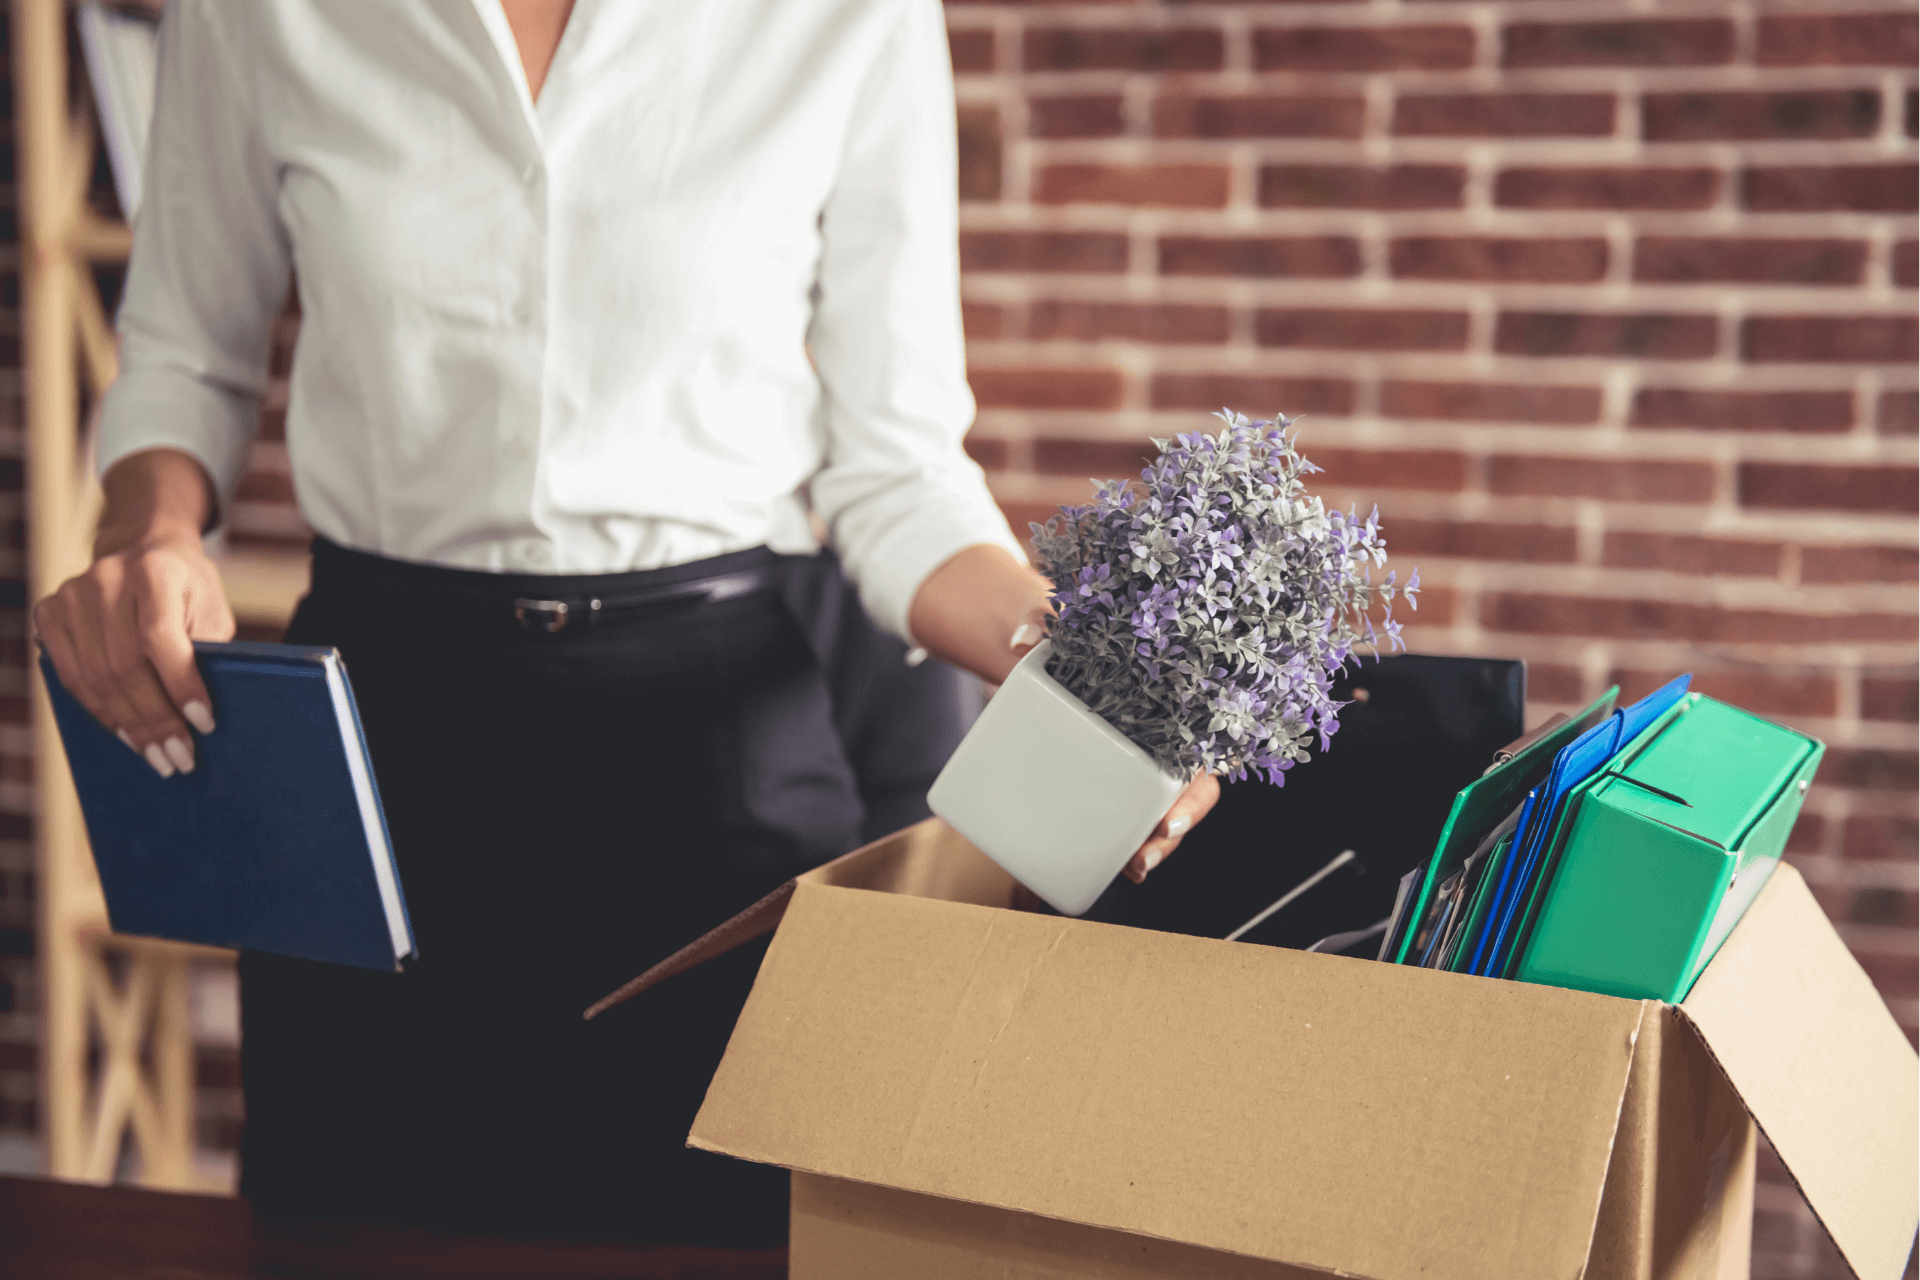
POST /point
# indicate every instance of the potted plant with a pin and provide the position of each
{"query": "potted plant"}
(1200, 616)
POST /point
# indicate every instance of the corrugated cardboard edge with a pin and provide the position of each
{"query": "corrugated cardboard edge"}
(926, 860)
(762, 918)
(1804, 1038)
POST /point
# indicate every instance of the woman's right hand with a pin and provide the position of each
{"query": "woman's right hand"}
(121, 634)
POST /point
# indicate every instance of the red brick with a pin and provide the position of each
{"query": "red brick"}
(1590, 617)
(1253, 394)
(1864, 563)
(1899, 413)
(1898, 908)
(1890, 696)
(1258, 117)
(1568, 260)
(1768, 692)
(1695, 557)
(1808, 835)
(1123, 49)
(1322, 257)
(1862, 188)
(1646, 336)
(988, 452)
(1607, 188)
(1686, 42)
(1837, 39)
(1166, 186)
(972, 50)
(982, 320)
(1091, 251)
(1693, 259)
(1046, 388)
(1808, 411)
(1433, 607)
(1094, 115)
(1618, 480)
(1904, 264)
(1092, 458)
(1357, 330)
(1504, 115)
(1869, 838)
(1869, 769)
(1804, 113)
(1851, 339)
(980, 153)
(1020, 514)
(1491, 402)
(1138, 322)
(1781, 486)
(1549, 682)
(1468, 540)
(1328, 186)
(1323, 49)
(1423, 470)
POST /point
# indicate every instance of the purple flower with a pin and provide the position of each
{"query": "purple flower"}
(1203, 611)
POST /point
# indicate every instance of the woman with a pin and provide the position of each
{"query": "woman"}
(602, 303)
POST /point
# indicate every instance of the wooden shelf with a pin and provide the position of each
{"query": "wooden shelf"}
(263, 585)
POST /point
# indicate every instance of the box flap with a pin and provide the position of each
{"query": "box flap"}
(1347, 1116)
(926, 860)
(1825, 1071)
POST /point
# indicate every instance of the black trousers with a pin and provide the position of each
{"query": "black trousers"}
(566, 810)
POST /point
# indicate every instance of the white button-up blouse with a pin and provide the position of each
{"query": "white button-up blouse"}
(571, 336)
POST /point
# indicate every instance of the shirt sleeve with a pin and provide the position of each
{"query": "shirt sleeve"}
(898, 494)
(210, 264)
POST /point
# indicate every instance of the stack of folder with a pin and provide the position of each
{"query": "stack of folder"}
(1613, 851)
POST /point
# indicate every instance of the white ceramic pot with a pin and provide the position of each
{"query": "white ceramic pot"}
(1050, 791)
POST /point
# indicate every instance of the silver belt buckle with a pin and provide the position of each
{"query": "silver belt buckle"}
(548, 615)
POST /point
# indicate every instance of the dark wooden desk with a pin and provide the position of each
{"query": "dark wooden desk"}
(67, 1231)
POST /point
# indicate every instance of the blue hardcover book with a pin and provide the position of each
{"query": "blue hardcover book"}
(1578, 760)
(275, 842)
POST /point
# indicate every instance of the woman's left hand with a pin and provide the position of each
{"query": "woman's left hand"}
(964, 613)
(1194, 804)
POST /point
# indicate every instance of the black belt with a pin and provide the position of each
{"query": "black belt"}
(585, 611)
(572, 603)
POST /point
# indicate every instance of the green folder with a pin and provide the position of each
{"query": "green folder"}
(1486, 801)
(1479, 902)
(1666, 851)
(1557, 838)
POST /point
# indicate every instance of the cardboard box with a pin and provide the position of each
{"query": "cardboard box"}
(967, 1090)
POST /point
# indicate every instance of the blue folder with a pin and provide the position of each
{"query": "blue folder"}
(1577, 761)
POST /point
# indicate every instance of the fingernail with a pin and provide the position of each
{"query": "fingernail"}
(198, 715)
(1153, 858)
(1024, 634)
(122, 735)
(158, 759)
(181, 754)
(1178, 824)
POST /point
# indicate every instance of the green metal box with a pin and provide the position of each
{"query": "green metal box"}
(1666, 850)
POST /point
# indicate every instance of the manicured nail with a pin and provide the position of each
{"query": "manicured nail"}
(1025, 634)
(1177, 825)
(158, 759)
(180, 753)
(122, 735)
(198, 716)
(1153, 858)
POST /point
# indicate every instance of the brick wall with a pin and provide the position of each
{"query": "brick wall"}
(1609, 304)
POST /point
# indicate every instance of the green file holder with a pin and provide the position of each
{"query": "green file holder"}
(1666, 849)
